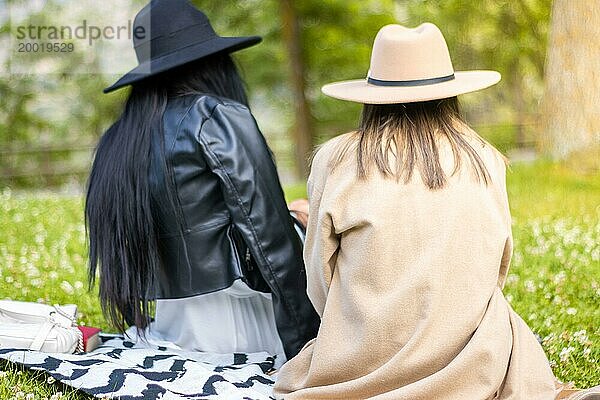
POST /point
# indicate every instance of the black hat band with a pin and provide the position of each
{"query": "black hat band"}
(414, 82)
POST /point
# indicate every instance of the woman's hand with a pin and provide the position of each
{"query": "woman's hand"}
(300, 208)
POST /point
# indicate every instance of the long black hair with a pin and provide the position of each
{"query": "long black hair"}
(121, 227)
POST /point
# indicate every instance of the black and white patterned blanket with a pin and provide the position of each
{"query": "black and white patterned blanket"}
(119, 369)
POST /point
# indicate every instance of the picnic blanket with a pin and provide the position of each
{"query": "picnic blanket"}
(121, 369)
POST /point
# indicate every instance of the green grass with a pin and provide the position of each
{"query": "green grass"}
(554, 283)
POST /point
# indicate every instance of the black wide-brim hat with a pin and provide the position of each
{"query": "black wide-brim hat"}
(171, 33)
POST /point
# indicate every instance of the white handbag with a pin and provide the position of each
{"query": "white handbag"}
(40, 327)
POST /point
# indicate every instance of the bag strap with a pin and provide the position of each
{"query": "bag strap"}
(41, 336)
(62, 317)
(27, 312)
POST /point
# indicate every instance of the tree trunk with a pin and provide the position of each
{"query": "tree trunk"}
(302, 130)
(571, 104)
(518, 105)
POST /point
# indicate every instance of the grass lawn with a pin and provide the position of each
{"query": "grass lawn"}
(554, 283)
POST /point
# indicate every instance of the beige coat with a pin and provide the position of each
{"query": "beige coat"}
(408, 282)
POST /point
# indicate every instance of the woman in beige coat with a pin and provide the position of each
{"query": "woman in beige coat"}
(409, 243)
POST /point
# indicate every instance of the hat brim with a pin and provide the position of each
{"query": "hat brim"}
(360, 91)
(183, 56)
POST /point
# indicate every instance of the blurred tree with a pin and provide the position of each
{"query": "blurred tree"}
(303, 130)
(333, 42)
(572, 98)
(337, 37)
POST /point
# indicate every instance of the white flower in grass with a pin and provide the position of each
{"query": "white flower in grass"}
(30, 396)
(561, 276)
(67, 267)
(39, 238)
(9, 279)
(50, 380)
(36, 283)
(78, 285)
(517, 258)
(581, 336)
(53, 275)
(530, 286)
(33, 272)
(559, 253)
(571, 311)
(3, 374)
(565, 352)
(587, 351)
(548, 339)
(67, 287)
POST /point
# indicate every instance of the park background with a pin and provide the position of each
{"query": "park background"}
(544, 114)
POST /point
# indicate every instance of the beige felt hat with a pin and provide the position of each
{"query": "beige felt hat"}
(410, 65)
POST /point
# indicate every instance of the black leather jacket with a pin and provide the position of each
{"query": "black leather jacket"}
(226, 218)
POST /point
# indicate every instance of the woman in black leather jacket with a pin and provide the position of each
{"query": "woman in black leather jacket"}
(184, 205)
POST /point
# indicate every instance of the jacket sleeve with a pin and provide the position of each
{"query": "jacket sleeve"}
(237, 153)
(322, 243)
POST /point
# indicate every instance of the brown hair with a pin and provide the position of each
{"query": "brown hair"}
(411, 132)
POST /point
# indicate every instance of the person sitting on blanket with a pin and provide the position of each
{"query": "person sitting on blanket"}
(184, 205)
(409, 243)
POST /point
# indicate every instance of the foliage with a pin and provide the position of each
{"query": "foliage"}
(40, 110)
(553, 283)
(56, 111)
(503, 35)
(336, 39)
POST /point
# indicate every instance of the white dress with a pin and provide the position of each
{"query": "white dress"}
(236, 319)
(232, 320)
